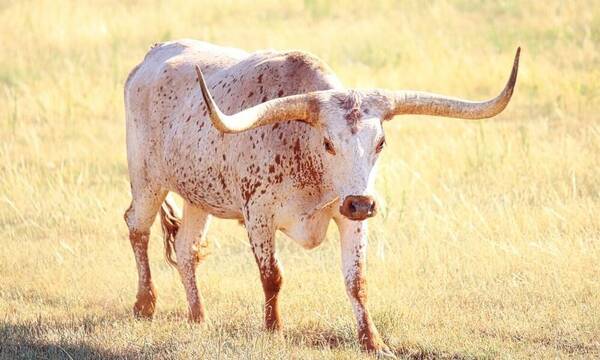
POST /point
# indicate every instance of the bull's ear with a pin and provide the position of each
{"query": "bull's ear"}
(415, 102)
(304, 107)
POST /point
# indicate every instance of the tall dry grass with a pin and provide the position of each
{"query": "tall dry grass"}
(489, 245)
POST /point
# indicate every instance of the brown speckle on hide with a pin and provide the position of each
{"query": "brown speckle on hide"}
(352, 105)
(307, 167)
(358, 287)
(249, 187)
(222, 180)
(278, 178)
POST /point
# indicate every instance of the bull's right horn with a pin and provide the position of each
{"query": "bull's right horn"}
(303, 107)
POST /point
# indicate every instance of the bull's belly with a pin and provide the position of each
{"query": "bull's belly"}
(219, 206)
(308, 231)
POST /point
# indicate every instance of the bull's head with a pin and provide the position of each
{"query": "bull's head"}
(350, 126)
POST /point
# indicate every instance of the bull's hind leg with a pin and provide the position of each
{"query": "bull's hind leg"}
(187, 244)
(262, 240)
(139, 218)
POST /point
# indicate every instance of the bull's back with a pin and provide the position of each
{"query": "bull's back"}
(148, 74)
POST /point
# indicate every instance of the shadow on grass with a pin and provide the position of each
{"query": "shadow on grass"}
(320, 338)
(30, 340)
(566, 345)
(30, 349)
(26, 341)
(419, 353)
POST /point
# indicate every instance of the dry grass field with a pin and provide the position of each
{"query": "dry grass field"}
(488, 245)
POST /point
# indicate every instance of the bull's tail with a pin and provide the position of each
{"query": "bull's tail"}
(170, 223)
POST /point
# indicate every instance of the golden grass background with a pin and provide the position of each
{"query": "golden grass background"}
(488, 247)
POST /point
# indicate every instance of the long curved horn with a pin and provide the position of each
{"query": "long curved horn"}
(303, 107)
(422, 103)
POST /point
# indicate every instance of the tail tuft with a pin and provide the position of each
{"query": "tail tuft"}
(170, 224)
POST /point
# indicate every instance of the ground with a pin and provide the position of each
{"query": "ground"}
(488, 245)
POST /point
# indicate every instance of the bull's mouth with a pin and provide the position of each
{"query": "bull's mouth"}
(356, 217)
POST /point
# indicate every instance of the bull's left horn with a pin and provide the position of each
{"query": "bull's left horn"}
(422, 103)
(303, 107)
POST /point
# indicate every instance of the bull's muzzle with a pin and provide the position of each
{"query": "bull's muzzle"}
(358, 207)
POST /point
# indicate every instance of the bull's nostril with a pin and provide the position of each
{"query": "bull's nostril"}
(372, 207)
(352, 208)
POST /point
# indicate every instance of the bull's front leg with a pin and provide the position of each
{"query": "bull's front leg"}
(353, 237)
(262, 240)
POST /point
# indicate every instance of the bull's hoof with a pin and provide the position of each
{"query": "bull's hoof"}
(273, 325)
(385, 353)
(196, 315)
(145, 305)
(373, 344)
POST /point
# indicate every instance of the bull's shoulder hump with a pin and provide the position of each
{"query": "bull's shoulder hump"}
(308, 67)
(300, 71)
(296, 58)
(292, 60)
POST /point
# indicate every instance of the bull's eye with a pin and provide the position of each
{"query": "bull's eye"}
(380, 145)
(328, 146)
